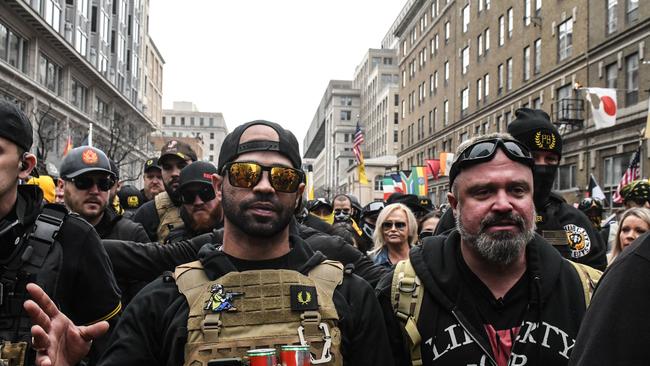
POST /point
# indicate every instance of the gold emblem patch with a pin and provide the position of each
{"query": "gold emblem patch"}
(133, 201)
(545, 141)
(578, 240)
(89, 157)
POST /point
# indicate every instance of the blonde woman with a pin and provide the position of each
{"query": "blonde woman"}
(396, 231)
(634, 222)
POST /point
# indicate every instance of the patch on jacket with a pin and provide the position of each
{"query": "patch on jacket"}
(578, 240)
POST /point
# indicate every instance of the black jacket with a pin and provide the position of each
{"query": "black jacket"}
(153, 329)
(616, 328)
(451, 326)
(147, 261)
(147, 215)
(560, 220)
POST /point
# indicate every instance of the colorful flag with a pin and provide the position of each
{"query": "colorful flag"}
(594, 189)
(603, 106)
(409, 181)
(356, 148)
(633, 172)
(399, 185)
(434, 167)
(446, 159)
(68, 146)
(422, 182)
(388, 186)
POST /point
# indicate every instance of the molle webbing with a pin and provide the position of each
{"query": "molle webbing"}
(169, 215)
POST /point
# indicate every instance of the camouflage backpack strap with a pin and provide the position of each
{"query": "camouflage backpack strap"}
(406, 297)
(589, 278)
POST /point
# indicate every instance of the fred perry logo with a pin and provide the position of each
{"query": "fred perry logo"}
(89, 157)
(303, 298)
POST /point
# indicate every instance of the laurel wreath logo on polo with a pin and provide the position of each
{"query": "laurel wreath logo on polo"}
(545, 141)
(304, 297)
(578, 240)
(221, 300)
(89, 157)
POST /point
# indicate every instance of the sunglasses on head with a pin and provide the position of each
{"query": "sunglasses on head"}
(386, 225)
(205, 193)
(248, 175)
(84, 183)
(482, 151)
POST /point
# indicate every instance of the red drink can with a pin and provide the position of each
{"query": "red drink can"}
(293, 355)
(262, 357)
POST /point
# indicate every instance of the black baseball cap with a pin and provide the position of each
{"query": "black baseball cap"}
(84, 159)
(409, 200)
(533, 128)
(287, 144)
(151, 163)
(177, 148)
(198, 172)
(130, 197)
(14, 125)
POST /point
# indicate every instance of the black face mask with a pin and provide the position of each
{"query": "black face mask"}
(543, 177)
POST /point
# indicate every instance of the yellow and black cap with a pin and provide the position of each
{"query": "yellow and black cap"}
(533, 128)
(151, 163)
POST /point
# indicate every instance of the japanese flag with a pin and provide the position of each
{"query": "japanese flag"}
(603, 106)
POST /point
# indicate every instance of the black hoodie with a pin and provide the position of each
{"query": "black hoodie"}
(453, 334)
(153, 329)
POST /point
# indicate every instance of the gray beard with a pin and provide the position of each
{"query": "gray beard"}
(500, 248)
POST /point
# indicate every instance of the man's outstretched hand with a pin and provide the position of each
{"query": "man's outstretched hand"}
(57, 341)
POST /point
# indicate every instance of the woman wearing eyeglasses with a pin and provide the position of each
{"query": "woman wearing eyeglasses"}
(395, 233)
(634, 223)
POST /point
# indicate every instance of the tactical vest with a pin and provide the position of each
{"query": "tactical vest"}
(247, 310)
(407, 292)
(169, 215)
(38, 259)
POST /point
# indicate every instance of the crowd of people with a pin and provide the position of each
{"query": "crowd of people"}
(206, 263)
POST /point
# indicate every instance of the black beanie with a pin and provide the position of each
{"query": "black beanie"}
(533, 128)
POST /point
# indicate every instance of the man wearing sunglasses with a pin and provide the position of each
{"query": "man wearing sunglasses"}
(87, 180)
(492, 291)
(43, 244)
(201, 210)
(162, 214)
(261, 185)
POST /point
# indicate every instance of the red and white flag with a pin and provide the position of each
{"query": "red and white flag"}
(603, 106)
(633, 172)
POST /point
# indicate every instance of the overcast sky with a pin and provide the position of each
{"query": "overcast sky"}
(261, 59)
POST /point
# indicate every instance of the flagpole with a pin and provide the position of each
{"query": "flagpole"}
(90, 134)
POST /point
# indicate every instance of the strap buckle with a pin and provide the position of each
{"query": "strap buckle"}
(407, 285)
(326, 356)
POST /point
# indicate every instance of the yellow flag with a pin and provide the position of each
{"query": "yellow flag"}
(362, 173)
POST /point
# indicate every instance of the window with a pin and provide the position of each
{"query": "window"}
(486, 85)
(479, 44)
(82, 7)
(346, 100)
(485, 128)
(632, 79)
(379, 183)
(466, 18)
(445, 117)
(211, 121)
(502, 30)
(464, 98)
(434, 9)
(447, 31)
(614, 167)
(50, 74)
(526, 63)
(465, 60)
(201, 121)
(104, 27)
(538, 7)
(182, 121)
(446, 72)
(101, 110)
(511, 22)
(537, 103)
(500, 79)
(611, 74)
(487, 4)
(395, 136)
(480, 5)
(435, 80)
(566, 177)
(632, 11)
(173, 121)
(53, 14)
(538, 56)
(479, 90)
(346, 115)
(211, 135)
(81, 41)
(211, 147)
(565, 40)
(13, 48)
(527, 12)
(79, 95)
(487, 40)
(612, 16)
(436, 38)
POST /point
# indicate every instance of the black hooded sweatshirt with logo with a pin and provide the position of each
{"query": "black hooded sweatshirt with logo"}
(461, 323)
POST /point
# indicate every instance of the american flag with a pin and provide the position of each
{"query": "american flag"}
(356, 147)
(632, 172)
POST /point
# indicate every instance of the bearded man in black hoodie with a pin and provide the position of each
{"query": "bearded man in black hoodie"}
(492, 292)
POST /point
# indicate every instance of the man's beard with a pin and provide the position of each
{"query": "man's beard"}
(502, 247)
(174, 193)
(256, 226)
(205, 223)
